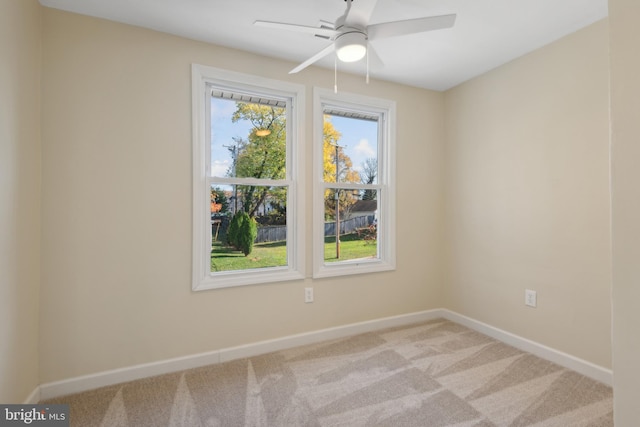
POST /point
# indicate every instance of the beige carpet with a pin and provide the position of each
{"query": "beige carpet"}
(436, 373)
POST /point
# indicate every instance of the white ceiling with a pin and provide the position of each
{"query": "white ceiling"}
(487, 33)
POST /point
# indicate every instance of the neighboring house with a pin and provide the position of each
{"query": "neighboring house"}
(363, 208)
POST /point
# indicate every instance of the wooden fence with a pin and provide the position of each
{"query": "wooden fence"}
(271, 233)
(277, 233)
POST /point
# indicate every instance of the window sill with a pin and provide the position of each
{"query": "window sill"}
(245, 278)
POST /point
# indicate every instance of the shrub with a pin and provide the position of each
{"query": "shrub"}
(247, 234)
(234, 228)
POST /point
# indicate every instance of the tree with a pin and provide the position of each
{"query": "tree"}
(345, 172)
(368, 176)
(219, 200)
(260, 156)
(337, 167)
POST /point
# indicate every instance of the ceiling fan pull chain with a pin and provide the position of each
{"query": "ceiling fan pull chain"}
(367, 79)
(335, 74)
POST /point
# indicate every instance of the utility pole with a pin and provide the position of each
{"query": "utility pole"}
(234, 155)
(337, 199)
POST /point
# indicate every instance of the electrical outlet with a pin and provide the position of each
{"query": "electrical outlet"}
(308, 295)
(530, 298)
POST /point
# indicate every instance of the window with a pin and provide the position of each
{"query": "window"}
(247, 205)
(354, 193)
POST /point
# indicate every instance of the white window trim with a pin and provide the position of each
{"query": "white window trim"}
(202, 278)
(386, 183)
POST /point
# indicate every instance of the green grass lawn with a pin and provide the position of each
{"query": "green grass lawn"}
(225, 258)
(274, 254)
(352, 246)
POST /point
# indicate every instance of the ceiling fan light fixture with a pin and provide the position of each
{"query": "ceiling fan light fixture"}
(351, 47)
(263, 132)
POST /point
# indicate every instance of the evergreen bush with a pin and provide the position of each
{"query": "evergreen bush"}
(234, 228)
(247, 234)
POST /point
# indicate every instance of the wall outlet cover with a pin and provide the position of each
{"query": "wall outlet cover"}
(530, 298)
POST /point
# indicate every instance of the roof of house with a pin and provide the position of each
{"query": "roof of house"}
(365, 206)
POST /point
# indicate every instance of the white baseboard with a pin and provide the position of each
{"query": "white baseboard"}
(291, 341)
(136, 372)
(565, 360)
(115, 376)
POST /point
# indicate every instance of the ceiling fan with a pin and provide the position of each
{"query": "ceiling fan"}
(351, 34)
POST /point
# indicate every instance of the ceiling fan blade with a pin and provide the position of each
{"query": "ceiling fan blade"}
(316, 31)
(324, 52)
(410, 26)
(359, 12)
(374, 58)
(327, 24)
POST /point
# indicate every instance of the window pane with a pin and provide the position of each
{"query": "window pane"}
(248, 140)
(350, 149)
(267, 208)
(356, 218)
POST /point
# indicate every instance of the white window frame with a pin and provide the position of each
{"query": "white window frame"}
(386, 110)
(202, 79)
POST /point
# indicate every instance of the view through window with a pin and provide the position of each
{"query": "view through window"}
(354, 169)
(248, 181)
(350, 160)
(249, 192)
(248, 205)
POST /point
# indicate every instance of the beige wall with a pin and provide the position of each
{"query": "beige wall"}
(527, 187)
(117, 196)
(625, 173)
(19, 197)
